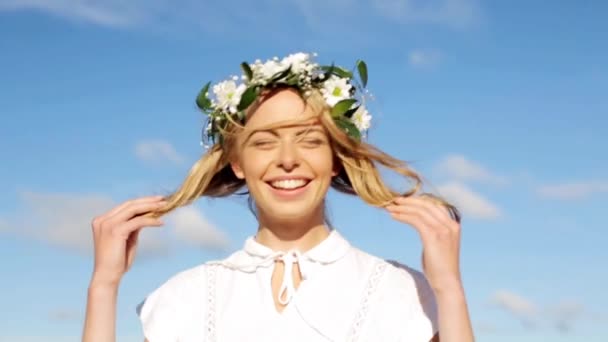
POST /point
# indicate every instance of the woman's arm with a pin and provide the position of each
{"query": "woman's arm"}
(440, 235)
(115, 236)
(100, 320)
(454, 320)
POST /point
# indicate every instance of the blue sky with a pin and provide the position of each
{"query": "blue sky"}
(501, 105)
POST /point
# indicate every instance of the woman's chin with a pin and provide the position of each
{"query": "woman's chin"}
(290, 211)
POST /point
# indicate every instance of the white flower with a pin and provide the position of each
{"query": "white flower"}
(299, 62)
(362, 119)
(336, 89)
(228, 94)
(263, 72)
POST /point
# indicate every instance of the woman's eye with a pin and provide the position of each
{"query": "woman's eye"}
(312, 142)
(262, 143)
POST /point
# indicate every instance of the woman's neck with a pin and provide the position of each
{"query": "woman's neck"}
(284, 236)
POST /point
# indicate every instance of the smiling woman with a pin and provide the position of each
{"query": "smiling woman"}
(291, 131)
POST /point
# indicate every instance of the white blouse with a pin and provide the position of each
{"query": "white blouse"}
(345, 295)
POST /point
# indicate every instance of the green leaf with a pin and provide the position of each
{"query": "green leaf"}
(247, 71)
(292, 80)
(202, 101)
(343, 72)
(328, 71)
(348, 127)
(362, 68)
(248, 97)
(342, 107)
(336, 70)
(349, 113)
(280, 75)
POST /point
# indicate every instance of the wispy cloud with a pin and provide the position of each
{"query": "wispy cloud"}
(565, 314)
(3, 225)
(573, 190)
(192, 227)
(424, 59)
(485, 327)
(456, 13)
(521, 308)
(460, 168)
(218, 17)
(111, 13)
(561, 315)
(64, 220)
(471, 203)
(157, 151)
(62, 315)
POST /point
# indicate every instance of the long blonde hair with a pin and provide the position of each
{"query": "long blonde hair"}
(212, 175)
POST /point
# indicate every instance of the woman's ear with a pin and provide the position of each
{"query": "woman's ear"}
(337, 167)
(236, 168)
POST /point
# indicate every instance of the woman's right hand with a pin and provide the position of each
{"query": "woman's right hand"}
(115, 236)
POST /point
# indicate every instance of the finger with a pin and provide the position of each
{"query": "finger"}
(130, 211)
(137, 224)
(416, 211)
(147, 199)
(438, 211)
(414, 221)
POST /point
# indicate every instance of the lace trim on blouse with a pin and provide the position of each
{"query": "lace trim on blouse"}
(363, 311)
(211, 292)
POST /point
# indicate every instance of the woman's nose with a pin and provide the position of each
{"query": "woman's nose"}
(288, 156)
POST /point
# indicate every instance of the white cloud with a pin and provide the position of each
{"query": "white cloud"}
(112, 13)
(468, 201)
(157, 151)
(521, 308)
(3, 225)
(217, 16)
(424, 58)
(573, 191)
(192, 227)
(456, 13)
(565, 314)
(561, 315)
(37, 338)
(64, 220)
(460, 168)
(62, 315)
(485, 327)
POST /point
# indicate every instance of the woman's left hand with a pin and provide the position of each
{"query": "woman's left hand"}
(440, 235)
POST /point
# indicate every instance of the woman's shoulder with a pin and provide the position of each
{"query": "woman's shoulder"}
(403, 306)
(183, 279)
(398, 284)
(166, 311)
(397, 274)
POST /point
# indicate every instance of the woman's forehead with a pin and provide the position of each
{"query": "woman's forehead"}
(292, 127)
(284, 105)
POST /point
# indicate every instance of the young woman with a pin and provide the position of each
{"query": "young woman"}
(288, 133)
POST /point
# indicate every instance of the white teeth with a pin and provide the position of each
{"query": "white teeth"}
(289, 183)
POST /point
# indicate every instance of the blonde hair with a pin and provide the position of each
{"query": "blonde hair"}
(212, 175)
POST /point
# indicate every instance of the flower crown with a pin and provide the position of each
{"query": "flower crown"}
(337, 85)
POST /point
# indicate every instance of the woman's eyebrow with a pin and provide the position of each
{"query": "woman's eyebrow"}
(309, 129)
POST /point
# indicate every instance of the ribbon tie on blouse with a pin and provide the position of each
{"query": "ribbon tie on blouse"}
(255, 255)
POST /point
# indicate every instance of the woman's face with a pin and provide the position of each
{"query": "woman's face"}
(288, 170)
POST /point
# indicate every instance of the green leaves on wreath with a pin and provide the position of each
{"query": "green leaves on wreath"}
(362, 68)
(278, 76)
(247, 71)
(248, 97)
(336, 70)
(202, 101)
(342, 107)
(348, 127)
